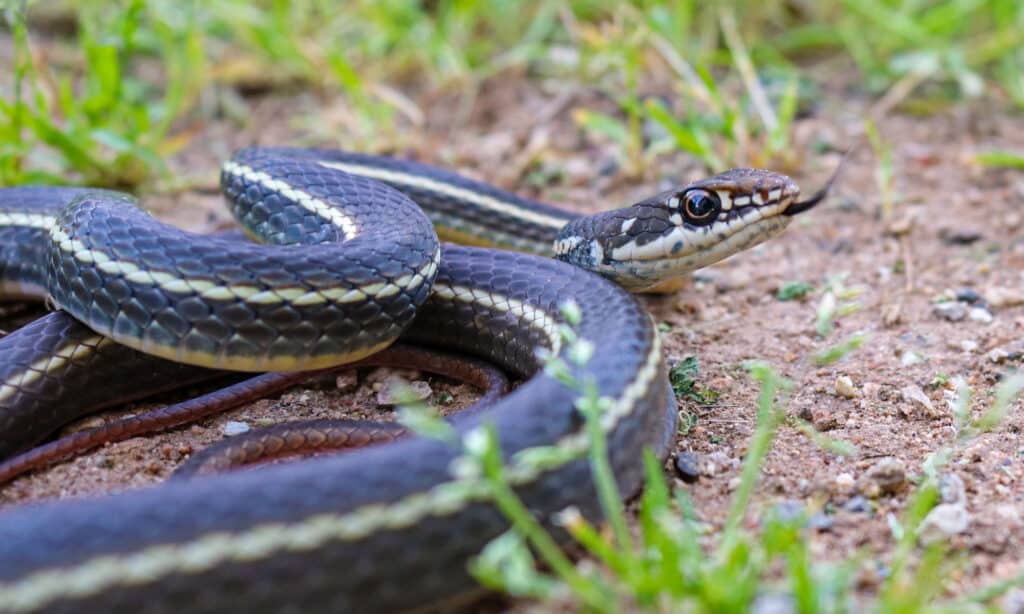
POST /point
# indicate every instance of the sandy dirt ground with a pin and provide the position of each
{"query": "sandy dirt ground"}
(939, 280)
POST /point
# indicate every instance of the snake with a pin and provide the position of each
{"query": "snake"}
(350, 258)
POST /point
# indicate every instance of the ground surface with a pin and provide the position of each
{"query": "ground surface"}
(953, 226)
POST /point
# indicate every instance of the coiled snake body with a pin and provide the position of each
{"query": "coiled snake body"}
(352, 265)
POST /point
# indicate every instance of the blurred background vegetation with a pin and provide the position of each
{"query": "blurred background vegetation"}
(102, 92)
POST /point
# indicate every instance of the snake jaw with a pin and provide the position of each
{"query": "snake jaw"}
(658, 240)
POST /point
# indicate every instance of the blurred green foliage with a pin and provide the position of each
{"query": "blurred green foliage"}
(99, 92)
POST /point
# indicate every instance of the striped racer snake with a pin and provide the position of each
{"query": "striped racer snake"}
(350, 263)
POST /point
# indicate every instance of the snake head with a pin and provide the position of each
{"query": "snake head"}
(659, 239)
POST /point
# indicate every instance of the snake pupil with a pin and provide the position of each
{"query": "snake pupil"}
(701, 207)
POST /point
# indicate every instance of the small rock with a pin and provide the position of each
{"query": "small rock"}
(886, 477)
(902, 224)
(820, 521)
(944, 521)
(857, 504)
(687, 467)
(734, 483)
(103, 461)
(687, 306)
(914, 395)
(718, 462)
(387, 396)
(997, 355)
(803, 487)
(960, 235)
(845, 483)
(1010, 351)
(383, 375)
(977, 452)
(892, 314)
(872, 390)
(347, 381)
(968, 345)
(154, 467)
(825, 419)
(950, 310)
(952, 489)
(169, 452)
(967, 295)
(731, 281)
(844, 387)
(235, 428)
(576, 170)
(999, 296)
(608, 167)
(870, 575)
(909, 358)
(980, 314)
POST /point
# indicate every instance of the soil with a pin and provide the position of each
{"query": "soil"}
(953, 227)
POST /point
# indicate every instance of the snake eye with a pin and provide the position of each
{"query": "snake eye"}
(700, 207)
